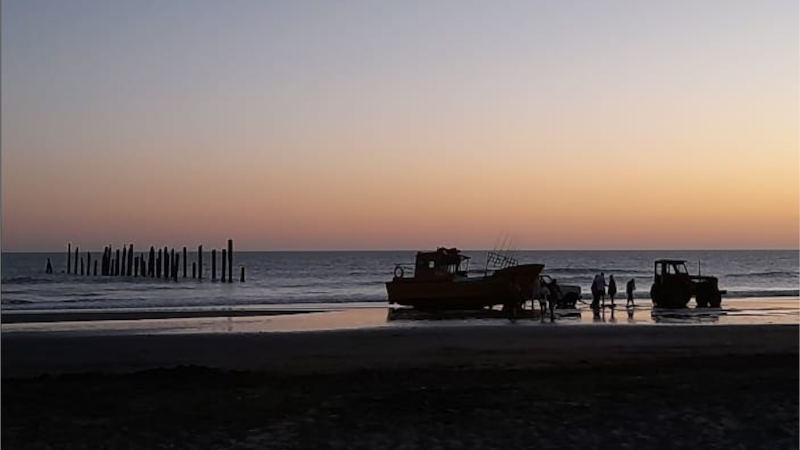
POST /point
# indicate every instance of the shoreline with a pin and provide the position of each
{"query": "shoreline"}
(45, 316)
(343, 316)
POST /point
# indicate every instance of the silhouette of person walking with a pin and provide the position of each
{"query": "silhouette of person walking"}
(629, 288)
(49, 268)
(612, 288)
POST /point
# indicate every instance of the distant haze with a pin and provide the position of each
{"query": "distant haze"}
(384, 125)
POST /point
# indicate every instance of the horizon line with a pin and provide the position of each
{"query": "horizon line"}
(461, 249)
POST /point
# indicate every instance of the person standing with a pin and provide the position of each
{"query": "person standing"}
(595, 291)
(612, 289)
(544, 298)
(602, 288)
(629, 288)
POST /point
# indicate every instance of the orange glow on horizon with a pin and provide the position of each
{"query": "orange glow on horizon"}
(564, 125)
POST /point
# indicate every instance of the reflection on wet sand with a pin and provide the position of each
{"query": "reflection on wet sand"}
(396, 314)
(686, 315)
(739, 312)
(407, 313)
(283, 318)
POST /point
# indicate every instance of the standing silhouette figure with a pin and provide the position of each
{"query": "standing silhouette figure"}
(629, 288)
(612, 288)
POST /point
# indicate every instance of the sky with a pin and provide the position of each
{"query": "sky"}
(400, 125)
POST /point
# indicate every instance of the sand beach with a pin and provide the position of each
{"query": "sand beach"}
(350, 378)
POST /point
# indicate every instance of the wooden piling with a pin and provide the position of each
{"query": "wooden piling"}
(230, 260)
(213, 264)
(103, 261)
(224, 262)
(242, 277)
(167, 262)
(124, 259)
(130, 260)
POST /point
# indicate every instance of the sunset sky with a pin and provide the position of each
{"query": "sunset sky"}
(400, 125)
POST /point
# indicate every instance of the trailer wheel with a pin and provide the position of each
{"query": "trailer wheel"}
(568, 301)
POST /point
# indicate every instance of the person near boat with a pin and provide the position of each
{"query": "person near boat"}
(596, 291)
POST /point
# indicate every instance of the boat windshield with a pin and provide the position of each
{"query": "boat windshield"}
(462, 266)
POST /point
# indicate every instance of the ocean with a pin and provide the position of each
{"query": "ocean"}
(359, 276)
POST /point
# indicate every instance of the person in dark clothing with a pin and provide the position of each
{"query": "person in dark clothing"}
(49, 268)
(596, 291)
(612, 288)
(629, 288)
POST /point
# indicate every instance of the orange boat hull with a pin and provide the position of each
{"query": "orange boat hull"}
(509, 286)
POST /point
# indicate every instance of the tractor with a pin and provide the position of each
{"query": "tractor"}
(673, 287)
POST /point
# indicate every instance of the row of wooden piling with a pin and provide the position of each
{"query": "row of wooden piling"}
(162, 263)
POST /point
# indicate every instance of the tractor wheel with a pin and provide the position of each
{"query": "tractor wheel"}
(674, 295)
(708, 295)
(655, 295)
(715, 300)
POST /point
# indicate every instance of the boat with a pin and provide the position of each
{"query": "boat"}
(440, 281)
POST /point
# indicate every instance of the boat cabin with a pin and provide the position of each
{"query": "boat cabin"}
(443, 263)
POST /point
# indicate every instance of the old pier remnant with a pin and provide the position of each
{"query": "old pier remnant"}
(165, 263)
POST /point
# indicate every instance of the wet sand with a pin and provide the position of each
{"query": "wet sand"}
(122, 314)
(34, 354)
(457, 383)
(456, 387)
(319, 317)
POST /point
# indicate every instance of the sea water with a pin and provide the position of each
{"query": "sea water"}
(354, 276)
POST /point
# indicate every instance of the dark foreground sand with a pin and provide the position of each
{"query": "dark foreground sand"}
(444, 387)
